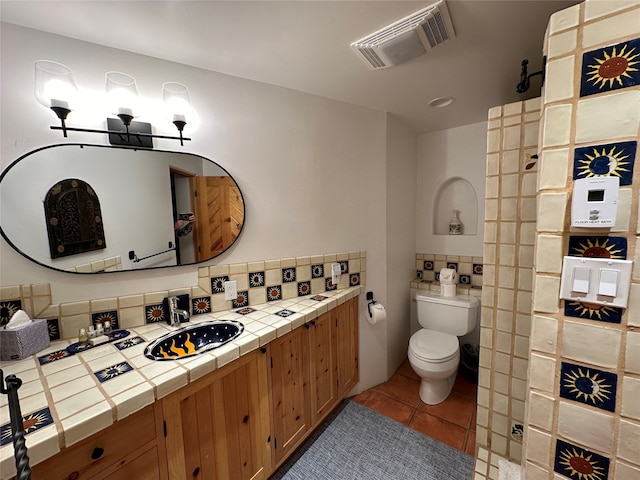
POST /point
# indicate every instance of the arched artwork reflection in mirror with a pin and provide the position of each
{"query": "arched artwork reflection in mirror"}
(158, 208)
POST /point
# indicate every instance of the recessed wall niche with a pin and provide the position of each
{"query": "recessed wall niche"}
(455, 193)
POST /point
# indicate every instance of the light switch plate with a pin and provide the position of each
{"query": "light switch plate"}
(230, 290)
(601, 269)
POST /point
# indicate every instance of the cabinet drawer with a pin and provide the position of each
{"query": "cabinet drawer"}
(93, 455)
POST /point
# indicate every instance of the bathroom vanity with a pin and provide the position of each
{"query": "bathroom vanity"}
(241, 420)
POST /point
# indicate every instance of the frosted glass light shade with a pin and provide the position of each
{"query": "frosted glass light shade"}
(122, 94)
(54, 85)
(177, 103)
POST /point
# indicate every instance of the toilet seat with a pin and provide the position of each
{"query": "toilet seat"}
(433, 347)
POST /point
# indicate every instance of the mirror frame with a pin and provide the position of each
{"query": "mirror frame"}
(82, 145)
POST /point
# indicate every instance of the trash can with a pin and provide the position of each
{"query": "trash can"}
(469, 362)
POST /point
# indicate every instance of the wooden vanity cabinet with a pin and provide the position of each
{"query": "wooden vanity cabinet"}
(347, 346)
(218, 426)
(322, 365)
(126, 450)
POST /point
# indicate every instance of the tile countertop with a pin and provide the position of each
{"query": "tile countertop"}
(66, 398)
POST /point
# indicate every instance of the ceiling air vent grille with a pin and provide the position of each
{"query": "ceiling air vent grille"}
(407, 38)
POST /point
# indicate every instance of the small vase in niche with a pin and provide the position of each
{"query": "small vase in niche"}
(455, 226)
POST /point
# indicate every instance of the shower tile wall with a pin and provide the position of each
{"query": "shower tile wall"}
(257, 282)
(583, 419)
(510, 226)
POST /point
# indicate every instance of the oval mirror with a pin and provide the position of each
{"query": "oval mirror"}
(92, 209)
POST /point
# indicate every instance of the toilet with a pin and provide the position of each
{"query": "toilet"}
(434, 351)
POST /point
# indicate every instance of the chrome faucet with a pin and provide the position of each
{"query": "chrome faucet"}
(176, 313)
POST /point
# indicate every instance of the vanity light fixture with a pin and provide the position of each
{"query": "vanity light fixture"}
(56, 89)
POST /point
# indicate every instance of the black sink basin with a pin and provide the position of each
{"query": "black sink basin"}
(193, 340)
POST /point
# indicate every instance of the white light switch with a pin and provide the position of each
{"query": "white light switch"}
(581, 280)
(608, 282)
(230, 290)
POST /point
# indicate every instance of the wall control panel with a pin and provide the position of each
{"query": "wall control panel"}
(603, 281)
(595, 202)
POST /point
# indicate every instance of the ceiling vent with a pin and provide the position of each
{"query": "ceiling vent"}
(406, 39)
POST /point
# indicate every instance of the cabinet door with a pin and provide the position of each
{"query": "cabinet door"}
(322, 355)
(289, 372)
(218, 426)
(347, 346)
(145, 467)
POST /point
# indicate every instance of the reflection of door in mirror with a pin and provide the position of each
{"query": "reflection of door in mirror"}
(219, 213)
(181, 199)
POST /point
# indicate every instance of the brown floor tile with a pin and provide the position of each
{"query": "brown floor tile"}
(401, 388)
(389, 407)
(441, 430)
(406, 370)
(361, 398)
(465, 387)
(470, 448)
(456, 409)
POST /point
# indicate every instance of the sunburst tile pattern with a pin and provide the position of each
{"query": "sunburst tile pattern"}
(578, 463)
(112, 371)
(592, 311)
(598, 247)
(201, 305)
(589, 386)
(53, 325)
(30, 423)
(610, 68)
(102, 317)
(7, 309)
(241, 300)
(129, 342)
(608, 160)
(154, 313)
(304, 288)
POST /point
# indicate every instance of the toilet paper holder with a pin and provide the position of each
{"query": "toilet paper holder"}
(371, 302)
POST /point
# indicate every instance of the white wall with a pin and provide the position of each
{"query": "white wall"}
(310, 168)
(442, 155)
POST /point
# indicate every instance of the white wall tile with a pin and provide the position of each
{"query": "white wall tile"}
(540, 410)
(594, 344)
(511, 137)
(544, 334)
(632, 358)
(621, 120)
(493, 141)
(564, 19)
(553, 168)
(594, 9)
(563, 43)
(538, 446)
(510, 161)
(633, 312)
(542, 373)
(556, 86)
(551, 212)
(586, 426)
(611, 29)
(546, 291)
(555, 132)
(514, 108)
(531, 134)
(549, 254)
(630, 396)
(629, 441)
(627, 472)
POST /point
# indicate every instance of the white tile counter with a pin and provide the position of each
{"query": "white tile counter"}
(70, 397)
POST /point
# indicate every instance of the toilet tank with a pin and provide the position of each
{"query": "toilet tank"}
(454, 315)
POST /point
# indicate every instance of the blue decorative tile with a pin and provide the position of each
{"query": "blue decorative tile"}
(78, 348)
(428, 265)
(465, 279)
(53, 325)
(118, 334)
(31, 422)
(517, 432)
(530, 161)
(112, 371)
(419, 274)
(241, 300)
(256, 279)
(437, 276)
(101, 317)
(245, 311)
(129, 342)
(610, 68)
(354, 279)
(217, 284)
(328, 285)
(452, 265)
(589, 385)
(344, 267)
(274, 293)
(288, 275)
(591, 311)
(285, 313)
(598, 247)
(477, 269)
(609, 160)
(201, 305)
(7, 309)
(304, 288)
(154, 313)
(578, 463)
(319, 298)
(317, 271)
(53, 356)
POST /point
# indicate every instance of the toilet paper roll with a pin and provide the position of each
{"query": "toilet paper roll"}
(378, 314)
(448, 276)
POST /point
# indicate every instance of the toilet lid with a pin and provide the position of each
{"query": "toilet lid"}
(433, 346)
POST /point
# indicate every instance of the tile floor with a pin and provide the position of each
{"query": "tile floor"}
(452, 422)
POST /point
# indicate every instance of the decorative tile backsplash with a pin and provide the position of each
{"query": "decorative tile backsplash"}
(469, 269)
(257, 283)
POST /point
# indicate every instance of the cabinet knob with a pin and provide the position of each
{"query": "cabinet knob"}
(97, 453)
(313, 322)
(74, 476)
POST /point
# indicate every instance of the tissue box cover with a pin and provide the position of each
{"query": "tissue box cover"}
(21, 342)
